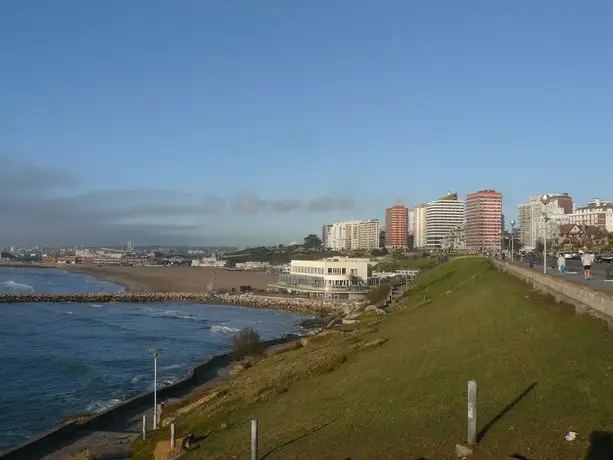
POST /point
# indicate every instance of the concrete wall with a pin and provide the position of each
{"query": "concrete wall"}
(585, 299)
(65, 434)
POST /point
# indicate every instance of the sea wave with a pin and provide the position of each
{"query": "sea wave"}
(224, 329)
(18, 286)
(167, 381)
(156, 313)
(175, 314)
(173, 366)
(101, 406)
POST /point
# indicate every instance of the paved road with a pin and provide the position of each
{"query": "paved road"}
(574, 272)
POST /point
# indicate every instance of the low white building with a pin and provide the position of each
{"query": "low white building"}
(597, 213)
(208, 262)
(252, 266)
(339, 277)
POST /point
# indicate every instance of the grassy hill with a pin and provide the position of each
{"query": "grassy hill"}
(395, 387)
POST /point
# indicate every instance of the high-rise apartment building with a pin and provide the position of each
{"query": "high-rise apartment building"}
(396, 226)
(530, 216)
(411, 221)
(324, 235)
(353, 235)
(368, 234)
(443, 217)
(484, 226)
(419, 226)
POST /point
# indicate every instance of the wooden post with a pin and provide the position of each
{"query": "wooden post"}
(172, 436)
(254, 440)
(472, 412)
(144, 426)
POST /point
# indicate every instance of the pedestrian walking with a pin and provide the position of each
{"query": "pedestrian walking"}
(561, 263)
(587, 259)
(531, 260)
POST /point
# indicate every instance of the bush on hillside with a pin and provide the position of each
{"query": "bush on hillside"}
(379, 293)
(246, 343)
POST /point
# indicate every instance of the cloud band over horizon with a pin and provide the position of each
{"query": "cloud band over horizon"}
(41, 206)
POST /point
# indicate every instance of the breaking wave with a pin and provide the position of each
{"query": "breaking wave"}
(101, 406)
(224, 329)
(18, 286)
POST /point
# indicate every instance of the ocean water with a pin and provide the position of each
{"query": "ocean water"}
(58, 360)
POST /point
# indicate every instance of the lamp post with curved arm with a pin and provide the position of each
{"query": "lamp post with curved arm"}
(512, 238)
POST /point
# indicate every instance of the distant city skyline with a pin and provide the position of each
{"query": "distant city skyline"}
(247, 123)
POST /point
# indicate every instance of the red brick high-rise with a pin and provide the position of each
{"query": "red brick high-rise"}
(396, 226)
(483, 220)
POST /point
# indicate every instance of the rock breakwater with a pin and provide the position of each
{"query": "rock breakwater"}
(319, 307)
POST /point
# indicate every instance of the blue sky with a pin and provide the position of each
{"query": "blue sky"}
(234, 121)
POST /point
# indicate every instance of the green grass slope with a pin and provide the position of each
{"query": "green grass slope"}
(541, 372)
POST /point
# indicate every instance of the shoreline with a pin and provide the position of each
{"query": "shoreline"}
(127, 285)
(70, 435)
(163, 279)
(66, 439)
(178, 284)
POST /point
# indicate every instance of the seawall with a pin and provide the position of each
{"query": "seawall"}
(56, 438)
(584, 299)
(297, 304)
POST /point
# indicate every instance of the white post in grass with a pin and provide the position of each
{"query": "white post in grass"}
(472, 412)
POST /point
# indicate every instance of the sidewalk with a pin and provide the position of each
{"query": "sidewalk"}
(575, 275)
(596, 282)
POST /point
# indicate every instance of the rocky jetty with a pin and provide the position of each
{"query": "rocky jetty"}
(319, 307)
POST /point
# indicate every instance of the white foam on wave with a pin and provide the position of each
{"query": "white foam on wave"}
(95, 305)
(18, 286)
(223, 329)
(172, 366)
(101, 406)
(175, 314)
(165, 313)
(167, 381)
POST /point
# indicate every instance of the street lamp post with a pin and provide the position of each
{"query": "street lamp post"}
(545, 199)
(155, 353)
(512, 238)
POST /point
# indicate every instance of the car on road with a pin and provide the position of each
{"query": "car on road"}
(606, 257)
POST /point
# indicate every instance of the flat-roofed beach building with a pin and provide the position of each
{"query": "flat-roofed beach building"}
(337, 278)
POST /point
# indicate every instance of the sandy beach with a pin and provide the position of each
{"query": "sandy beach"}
(166, 279)
(174, 279)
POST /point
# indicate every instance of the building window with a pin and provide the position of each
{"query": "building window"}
(343, 271)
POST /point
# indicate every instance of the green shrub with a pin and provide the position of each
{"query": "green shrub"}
(379, 293)
(246, 343)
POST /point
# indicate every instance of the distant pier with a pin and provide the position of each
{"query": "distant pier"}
(246, 300)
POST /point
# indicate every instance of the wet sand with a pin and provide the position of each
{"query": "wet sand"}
(174, 279)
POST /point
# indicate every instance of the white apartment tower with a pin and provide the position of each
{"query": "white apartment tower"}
(419, 226)
(353, 235)
(531, 221)
(443, 217)
(411, 222)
